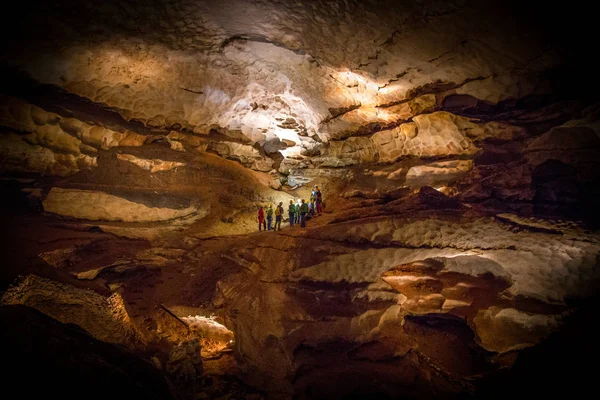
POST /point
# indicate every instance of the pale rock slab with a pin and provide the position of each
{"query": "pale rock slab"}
(437, 174)
(151, 165)
(100, 206)
(506, 329)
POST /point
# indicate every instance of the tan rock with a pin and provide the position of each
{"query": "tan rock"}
(90, 205)
(150, 165)
(104, 318)
(509, 329)
(275, 184)
(438, 173)
(19, 155)
(246, 155)
(497, 88)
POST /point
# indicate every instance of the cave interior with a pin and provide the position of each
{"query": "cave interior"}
(454, 251)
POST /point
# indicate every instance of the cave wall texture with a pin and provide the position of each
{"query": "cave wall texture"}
(456, 144)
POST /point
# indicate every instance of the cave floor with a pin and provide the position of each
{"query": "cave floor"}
(189, 274)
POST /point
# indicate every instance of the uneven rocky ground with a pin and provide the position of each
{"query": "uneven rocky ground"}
(417, 297)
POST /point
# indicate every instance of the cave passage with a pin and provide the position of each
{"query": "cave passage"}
(452, 249)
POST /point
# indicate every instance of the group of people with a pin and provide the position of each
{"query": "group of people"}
(298, 212)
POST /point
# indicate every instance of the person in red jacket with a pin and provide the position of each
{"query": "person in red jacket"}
(262, 223)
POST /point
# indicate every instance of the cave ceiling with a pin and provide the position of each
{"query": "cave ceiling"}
(283, 69)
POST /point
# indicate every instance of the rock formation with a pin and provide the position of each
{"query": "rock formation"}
(456, 145)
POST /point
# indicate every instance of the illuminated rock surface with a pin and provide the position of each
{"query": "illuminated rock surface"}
(456, 145)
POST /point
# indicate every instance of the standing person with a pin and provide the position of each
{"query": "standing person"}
(319, 201)
(278, 216)
(292, 212)
(298, 204)
(303, 212)
(311, 207)
(313, 193)
(261, 218)
(269, 217)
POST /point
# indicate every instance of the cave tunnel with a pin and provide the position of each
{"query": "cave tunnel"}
(429, 170)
